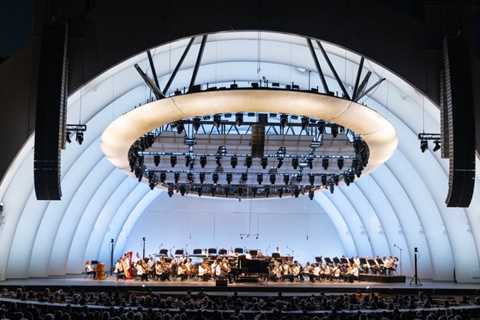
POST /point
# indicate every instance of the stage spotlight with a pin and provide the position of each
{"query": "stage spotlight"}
(200, 191)
(321, 126)
(340, 162)
(213, 190)
(202, 177)
(229, 177)
(173, 161)
(299, 178)
(238, 119)
(267, 192)
(310, 163)
(68, 137)
(240, 192)
(163, 176)
(254, 192)
(244, 177)
(323, 179)
(188, 160)
(138, 173)
(215, 178)
(259, 178)
(296, 191)
(436, 146)
(170, 191)
(183, 190)
(180, 126)
(311, 194)
(286, 179)
(218, 160)
(280, 192)
(346, 179)
(331, 187)
(283, 120)
(325, 163)
(233, 161)
(336, 179)
(423, 145)
(176, 177)
(355, 163)
(151, 184)
(216, 120)
(79, 137)
(305, 121)
(248, 161)
(203, 161)
(295, 163)
(280, 162)
(227, 192)
(156, 160)
(196, 123)
(311, 179)
(334, 129)
(273, 177)
(190, 177)
(264, 162)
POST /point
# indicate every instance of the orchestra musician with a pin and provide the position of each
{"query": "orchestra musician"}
(119, 270)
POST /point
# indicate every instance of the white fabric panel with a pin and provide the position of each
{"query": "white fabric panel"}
(86, 223)
(132, 218)
(390, 224)
(338, 220)
(409, 219)
(357, 228)
(104, 217)
(119, 219)
(369, 220)
(76, 210)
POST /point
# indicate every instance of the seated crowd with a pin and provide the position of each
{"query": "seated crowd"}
(205, 267)
(81, 305)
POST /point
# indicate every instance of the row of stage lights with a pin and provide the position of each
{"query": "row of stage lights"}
(239, 120)
(240, 192)
(153, 178)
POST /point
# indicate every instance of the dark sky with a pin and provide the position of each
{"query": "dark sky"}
(15, 25)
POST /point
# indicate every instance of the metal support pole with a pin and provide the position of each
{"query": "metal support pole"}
(177, 67)
(335, 74)
(156, 91)
(371, 88)
(317, 65)
(143, 251)
(357, 80)
(362, 86)
(197, 62)
(152, 67)
(112, 247)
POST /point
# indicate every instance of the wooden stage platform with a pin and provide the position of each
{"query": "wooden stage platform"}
(83, 283)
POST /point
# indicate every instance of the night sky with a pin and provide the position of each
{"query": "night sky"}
(15, 25)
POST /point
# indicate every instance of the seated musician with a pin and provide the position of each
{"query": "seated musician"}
(327, 272)
(89, 270)
(286, 272)
(204, 271)
(307, 271)
(355, 272)
(119, 270)
(140, 271)
(182, 270)
(336, 272)
(225, 265)
(218, 269)
(315, 275)
(276, 271)
(297, 271)
(151, 267)
(189, 268)
(389, 264)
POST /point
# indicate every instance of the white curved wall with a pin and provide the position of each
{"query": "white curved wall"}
(401, 204)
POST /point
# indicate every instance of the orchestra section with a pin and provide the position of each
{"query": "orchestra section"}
(244, 266)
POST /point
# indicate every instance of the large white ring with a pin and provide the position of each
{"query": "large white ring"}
(375, 130)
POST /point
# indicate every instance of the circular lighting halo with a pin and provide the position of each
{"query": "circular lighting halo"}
(374, 129)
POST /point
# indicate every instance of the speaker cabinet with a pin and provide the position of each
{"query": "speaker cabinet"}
(458, 126)
(51, 111)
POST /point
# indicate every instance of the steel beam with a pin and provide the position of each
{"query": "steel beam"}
(335, 74)
(317, 65)
(371, 88)
(152, 67)
(362, 86)
(357, 80)
(150, 83)
(197, 62)
(177, 67)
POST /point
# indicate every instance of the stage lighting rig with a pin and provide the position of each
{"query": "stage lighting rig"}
(299, 177)
(325, 162)
(173, 160)
(273, 178)
(188, 160)
(248, 161)
(218, 160)
(436, 146)
(79, 137)
(305, 122)
(78, 129)
(264, 162)
(234, 161)
(425, 137)
(170, 191)
(176, 177)
(202, 177)
(280, 192)
(179, 125)
(259, 178)
(334, 129)
(323, 179)
(190, 177)
(296, 191)
(295, 163)
(203, 161)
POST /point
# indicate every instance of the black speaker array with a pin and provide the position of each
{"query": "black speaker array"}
(51, 111)
(458, 126)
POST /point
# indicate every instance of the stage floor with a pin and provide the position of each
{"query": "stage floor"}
(287, 287)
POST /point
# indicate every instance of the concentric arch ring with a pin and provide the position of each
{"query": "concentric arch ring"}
(374, 129)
